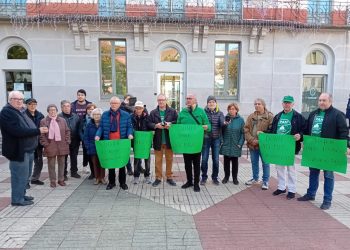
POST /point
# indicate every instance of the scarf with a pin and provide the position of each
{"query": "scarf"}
(54, 129)
(114, 116)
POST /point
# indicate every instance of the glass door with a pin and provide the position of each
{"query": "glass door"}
(170, 84)
(313, 86)
(21, 81)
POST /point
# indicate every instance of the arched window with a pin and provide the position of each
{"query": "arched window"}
(170, 55)
(316, 57)
(17, 52)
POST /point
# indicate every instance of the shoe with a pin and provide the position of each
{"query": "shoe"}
(142, 170)
(37, 182)
(306, 197)
(251, 182)
(225, 180)
(196, 188)
(325, 206)
(28, 186)
(235, 181)
(216, 182)
(28, 198)
(148, 180)
(24, 203)
(124, 186)
(265, 186)
(187, 185)
(278, 192)
(110, 186)
(136, 180)
(171, 182)
(53, 184)
(65, 178)
(96, 182)
(130, 172)
(61, 183)
(91, 176)
(75, 175)
(203, 182)
(156, 183)
(85, 170)
(102, 181)
(290, 195)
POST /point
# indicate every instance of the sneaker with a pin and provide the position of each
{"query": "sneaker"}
(156, 183)
(251, 182)
(235, 181)
(225, 180)
(85, 170)
(136, 180)
(196, 188)
(278, 192)
(148, 180)
(130, 172)
(325, 206)
(37, 182)
(75, 175)
(290, 195)
(203, 182)
(265, 186)
(171, 182)
(216, 182)
(124, 186)
(187, 185)
(306, 197)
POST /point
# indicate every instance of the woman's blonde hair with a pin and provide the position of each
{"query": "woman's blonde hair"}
(233, 104)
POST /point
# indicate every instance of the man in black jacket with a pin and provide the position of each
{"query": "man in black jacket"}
(19, 140)
(325, 122)
(160, 120)
(288, 122)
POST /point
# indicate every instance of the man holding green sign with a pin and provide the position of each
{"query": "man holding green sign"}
(325, 122)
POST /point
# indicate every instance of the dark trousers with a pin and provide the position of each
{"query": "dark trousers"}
(73, 156)
(38, 163)
(227, 161)
(137, 167)
(99, 172)
(121, 176)
(195, 160)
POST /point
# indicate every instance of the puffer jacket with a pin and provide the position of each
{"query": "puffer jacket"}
(233, 137)
(89, 137)
(216, 120)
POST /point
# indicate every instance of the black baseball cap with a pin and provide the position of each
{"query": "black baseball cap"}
(31, 100)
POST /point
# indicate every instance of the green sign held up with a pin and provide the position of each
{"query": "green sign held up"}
(186, 138)
(142, 144)
(113, 153)
(277, 149)
(325, 154)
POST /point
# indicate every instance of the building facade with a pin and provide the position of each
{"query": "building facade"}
(236, 50)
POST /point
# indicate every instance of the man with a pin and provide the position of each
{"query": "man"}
(193, 114)
(19, 140)
(36, 117)
(79, 108)
(115, 124)
(160, 120)
(73, 123)
(288, 122)
(325, 122)
(212, 140)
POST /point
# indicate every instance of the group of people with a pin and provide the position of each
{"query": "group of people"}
(28, 135)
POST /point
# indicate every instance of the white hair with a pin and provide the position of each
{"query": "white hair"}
(14, 93)
(114, 98)
(96, 111)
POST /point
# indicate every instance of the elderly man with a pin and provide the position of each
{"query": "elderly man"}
(325, 122)
(288, 122)
(115, 124)
(193, 114)
(19, 141)
(160, 120)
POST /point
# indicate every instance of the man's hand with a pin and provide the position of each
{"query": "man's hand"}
(205, 127)
(130, 137)
(159, 126)
(97, 138)
(259, 132)
(44, 130)
(297, 137)
(167, 126)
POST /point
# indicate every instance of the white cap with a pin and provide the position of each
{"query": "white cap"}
(139, 104)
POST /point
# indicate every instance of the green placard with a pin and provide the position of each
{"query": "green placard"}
(113, 153)
(186, 138)
(325, 154)
(277, 149)
(142, 144)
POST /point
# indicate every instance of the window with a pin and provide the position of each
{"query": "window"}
(17, 52)
(227, 60)
(113, 67)
(316, 57)
(170, 55)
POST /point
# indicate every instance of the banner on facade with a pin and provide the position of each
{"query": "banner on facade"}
(113, 153)
(186, 138)
(325, 154)
(277, 149)
(142, 144)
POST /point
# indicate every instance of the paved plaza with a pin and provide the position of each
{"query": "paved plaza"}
(86, 216)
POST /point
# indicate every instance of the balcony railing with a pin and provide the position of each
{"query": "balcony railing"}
(319, 12)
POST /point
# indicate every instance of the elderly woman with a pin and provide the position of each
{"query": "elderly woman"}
(89, 142)
(233, 139)
(56, 144)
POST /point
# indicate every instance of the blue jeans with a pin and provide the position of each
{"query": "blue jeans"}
(328, 184)
(214, 144)
(19, 177)
(254, 156)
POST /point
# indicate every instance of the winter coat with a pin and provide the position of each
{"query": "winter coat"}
(73, 122)
(216, 119)
(348, 110)
(36, 118)
(89, 137)
(263, 125)
(139, 123)
(82, 126)
(233, 137)
(51, 147)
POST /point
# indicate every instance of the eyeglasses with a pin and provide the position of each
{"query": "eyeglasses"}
(160, 100)
(17, 99)
(189, 98)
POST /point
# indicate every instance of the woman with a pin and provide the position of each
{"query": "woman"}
(56, 144)
(257, 122)
(89, 108)
(233, 140)
(89, 142)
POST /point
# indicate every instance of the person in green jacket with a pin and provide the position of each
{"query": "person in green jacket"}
(193, 114)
